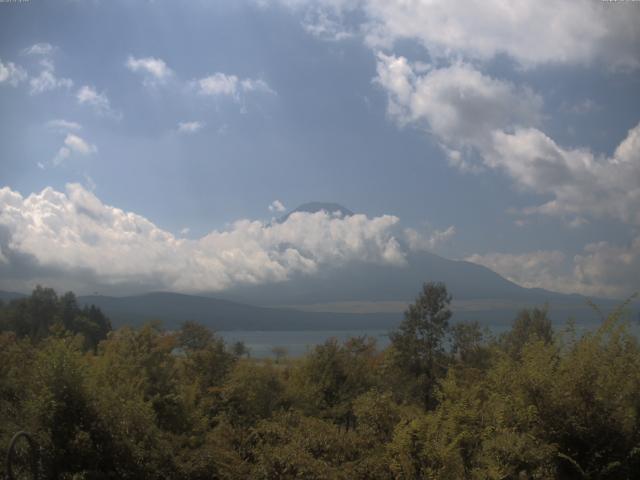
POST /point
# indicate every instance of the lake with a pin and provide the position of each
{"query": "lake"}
(299, 342)
(296, 342)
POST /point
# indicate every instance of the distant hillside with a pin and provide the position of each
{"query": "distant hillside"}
(8, 296)
(174, 308)
(371, 282)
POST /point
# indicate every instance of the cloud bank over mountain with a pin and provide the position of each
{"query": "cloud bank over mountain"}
(73, 237)
(76, 233)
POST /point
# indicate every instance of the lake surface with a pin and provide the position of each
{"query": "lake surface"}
(296, 342)
(299, 342)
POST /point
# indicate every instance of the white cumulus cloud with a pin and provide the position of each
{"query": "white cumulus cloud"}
(47, 79)
(578, 182)
(482, 122)
(12, 74)
(190, 127)
(601, 269)
(75, 232)
(458, 104)
(60, 124)
(88, 95)
(155, 69)
(531, 33)
(218, 84)
(276, 206)
(428, 241)
(539, 269)
(221, 84)
(73, 144)
(40, 49)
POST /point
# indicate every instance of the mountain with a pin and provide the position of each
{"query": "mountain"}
(8, 296)
(352, 296)
(174, 308)
(364, 285)
(366, 282)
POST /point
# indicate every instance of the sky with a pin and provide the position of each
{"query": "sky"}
(151, 144)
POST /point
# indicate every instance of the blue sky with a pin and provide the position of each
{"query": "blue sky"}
(506, 135)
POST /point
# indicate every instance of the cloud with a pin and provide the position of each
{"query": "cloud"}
(155, 69)
(12, 74)
(582, 107)
(218, 84)
(458, 104)
(326, 25)
(418, 241)
(39, 49)
(482, 122)
(61, 156)
(578, 182)
(221, 84)
(539, 269)
(553, 32)
(276, 206)
(46, 80)
(73, 144)
(190, 127)
(74, 231)
(77, 144)
(602, 269)
(87, 95)
(63, 125)
(610, 269)
(256, 85)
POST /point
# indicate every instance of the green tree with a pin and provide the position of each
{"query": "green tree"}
(529, 325)
(43, 313)
(418, 343)
(279, 352)
(206, 361)
(329, 378)
(252, 392)
(469, 345)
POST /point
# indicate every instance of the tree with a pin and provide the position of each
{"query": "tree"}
(332, 376)
(251, 392)
(44, 313)
(418, 343)
(240, 350)
(528, 326)
(205, 363)
(469, 344)
(279, 352)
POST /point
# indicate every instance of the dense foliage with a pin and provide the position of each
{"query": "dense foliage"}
(444, 401)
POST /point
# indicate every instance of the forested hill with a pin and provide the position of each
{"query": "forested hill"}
(171, 309)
